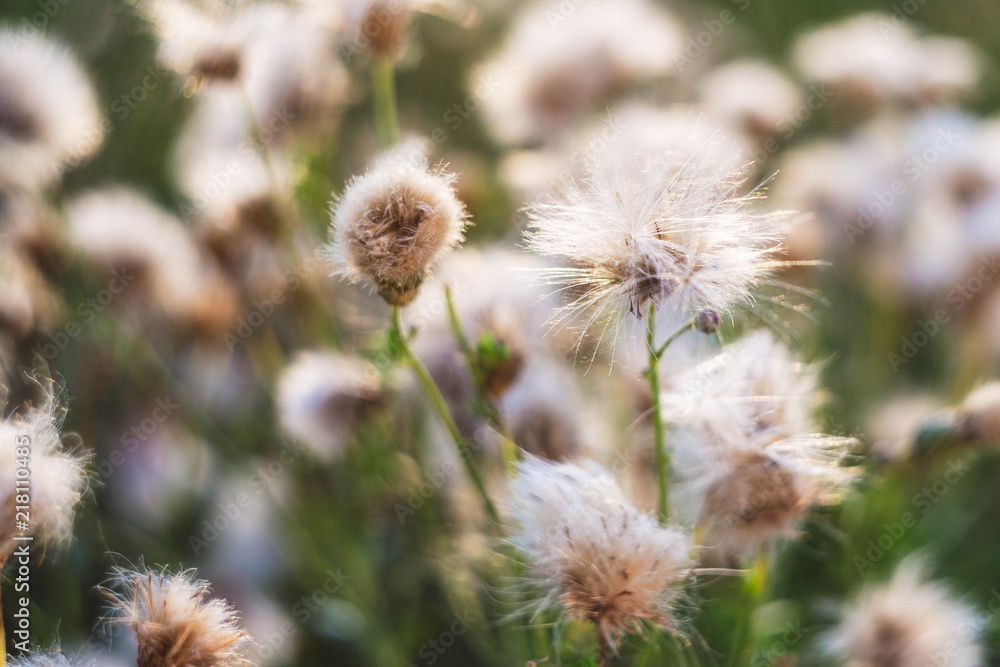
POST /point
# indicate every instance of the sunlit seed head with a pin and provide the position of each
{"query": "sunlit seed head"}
(556, 66)
(49, 114)
(393, 224)
(379, 28)
(671, 230)
(175, 620)
(54, 658)
(58, 474)
(593, 556)
(908, 621)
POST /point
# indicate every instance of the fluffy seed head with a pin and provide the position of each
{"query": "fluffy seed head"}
(322, 395)
(554, 67)
(746, 447)
(595, 556)
(58, 475)
(176, 622)
(53, 659)
(49, 117)
(393, 224)
(379, 27)
(907, 622)
(668, 229)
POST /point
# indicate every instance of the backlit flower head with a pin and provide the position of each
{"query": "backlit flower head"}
(321, 396)
(151, 253)
(746, 446)
(594, 556)
(175, 620)
(58, 474)
(908, 621)
(49, 118)
(393, 224)
(669, 229)
(54, 658)
(753, 96)
(557, 64)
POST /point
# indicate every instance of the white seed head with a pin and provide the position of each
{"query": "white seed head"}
(322, 395)
(669, 229)
(58, 475)
(54, 658)
(594, 556)
(176, 622)
(556, 66)
(155, 254)
(907, 622)
(746, 450)
(753, 96)
(869, 59)
(393, 224)
(49, 117)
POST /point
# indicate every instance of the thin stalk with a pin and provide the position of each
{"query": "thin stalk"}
(603, 649)
(659, 435)
(441, 408)
(511, 452)
(677, 333)
(384, 96)
(754, 588)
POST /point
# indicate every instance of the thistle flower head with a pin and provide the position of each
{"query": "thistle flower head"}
(58, 474)
(596, 557)
(176, 622)
(907, 622)
(746, 446)
(49, 118)
(669, 229)
(393, 224)
(321, 395)
(147, 247)
(556, 66)
(379, 27)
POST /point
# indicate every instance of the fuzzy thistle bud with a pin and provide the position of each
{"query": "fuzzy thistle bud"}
(175, 621)
(393, 224)
(708, 320)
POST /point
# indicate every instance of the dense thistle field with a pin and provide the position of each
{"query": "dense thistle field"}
(593, 332)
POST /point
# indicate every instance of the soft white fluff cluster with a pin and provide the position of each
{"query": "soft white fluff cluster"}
(746, 446)
(58, 476)
(670, 229)
(151, 254)
(594, 556)
(49, 116)
(873, 58)
(560, 61)
(908, 621)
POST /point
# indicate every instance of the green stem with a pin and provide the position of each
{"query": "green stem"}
(441, 407)
(384, 95)
(754, 588)
(659, 435)
(677, 333)
(512, 453)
